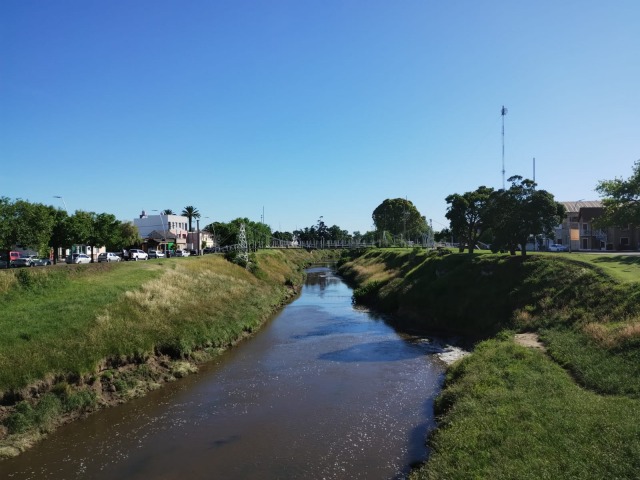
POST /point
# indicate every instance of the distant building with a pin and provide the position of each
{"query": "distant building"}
(172, 227)
(195, 240)
(578, 231)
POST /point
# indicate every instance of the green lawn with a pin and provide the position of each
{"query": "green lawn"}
(46, 317)
(510, 412)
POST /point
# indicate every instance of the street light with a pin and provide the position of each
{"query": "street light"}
(67, 211)
(164, 230)
(63, 202)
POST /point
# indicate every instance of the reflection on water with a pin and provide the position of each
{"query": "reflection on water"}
(323, 391)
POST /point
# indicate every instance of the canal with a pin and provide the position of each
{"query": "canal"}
(323, 391)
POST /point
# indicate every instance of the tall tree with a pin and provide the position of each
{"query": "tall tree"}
(443, 235)
(24, 223)
(167, 211)
(621, 200)
(399, 217)
(126, 236)
(190, 212)
(105, 230)
(59, 232)
(522, 211)
(467, 215)
(80, 227)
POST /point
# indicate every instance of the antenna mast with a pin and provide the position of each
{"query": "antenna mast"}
(503, 112)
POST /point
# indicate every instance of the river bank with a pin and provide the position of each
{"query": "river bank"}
(82, 338)
(507, 411)
(322, 390)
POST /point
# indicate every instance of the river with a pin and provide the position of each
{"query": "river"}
(323, 391)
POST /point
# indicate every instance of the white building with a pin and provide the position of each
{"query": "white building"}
(176, 225)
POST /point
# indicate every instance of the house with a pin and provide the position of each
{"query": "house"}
(159, 240)
(171, 226)
(200, 240)
(579, 232)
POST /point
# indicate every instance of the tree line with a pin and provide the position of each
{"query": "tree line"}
(43, 227)
(504, 218)
(508, 218)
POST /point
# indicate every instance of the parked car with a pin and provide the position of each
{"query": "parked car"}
(23, 261)
(156, 253)
(136, 254)
(108, 257)
(79, 258)
(40, 262)
(193, 252)
(182, 253)
(556, 247)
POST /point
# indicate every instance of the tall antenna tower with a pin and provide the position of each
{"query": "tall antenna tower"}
(243, 251)
(503, 112)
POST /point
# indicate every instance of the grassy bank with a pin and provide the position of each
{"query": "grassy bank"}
(75, 338)
(507, 412)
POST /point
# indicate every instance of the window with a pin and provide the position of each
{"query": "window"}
(624, 240)
(585, 228)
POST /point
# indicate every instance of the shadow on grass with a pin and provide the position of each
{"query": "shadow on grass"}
(622, 259)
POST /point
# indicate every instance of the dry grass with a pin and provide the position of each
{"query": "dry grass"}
(7, 280)
(615, 334)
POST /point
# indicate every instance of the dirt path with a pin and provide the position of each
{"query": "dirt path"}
(530, 340)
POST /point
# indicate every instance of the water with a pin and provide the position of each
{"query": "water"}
(324, 391)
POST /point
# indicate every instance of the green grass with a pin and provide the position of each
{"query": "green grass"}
(510, 412)
(45, 320)
(68, 321)
(624, 268)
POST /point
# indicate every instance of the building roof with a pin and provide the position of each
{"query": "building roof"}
(160, 235)
(574, 207)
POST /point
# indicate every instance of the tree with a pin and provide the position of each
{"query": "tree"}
(223, 233)
(399, 217)
(167, 211)
(24, 223)
(60, 231)
(190, 212)
(105, 230)
(80, 227)
(286, 236)
(258, 234)
(521, 211)
(621, 200)
(443, 235)
(467, 213)
(127, 234)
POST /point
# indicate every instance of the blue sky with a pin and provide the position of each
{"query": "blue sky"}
(311, 108)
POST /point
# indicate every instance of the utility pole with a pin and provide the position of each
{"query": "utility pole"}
(534, 169)
(198, 228)
(503, 112)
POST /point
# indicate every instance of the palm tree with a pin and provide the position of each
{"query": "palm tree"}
(168, 211)
(190, 212)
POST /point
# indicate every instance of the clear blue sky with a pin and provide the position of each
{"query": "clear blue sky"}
(312, 108)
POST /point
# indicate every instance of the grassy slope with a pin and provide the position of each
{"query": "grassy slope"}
(70, 320)
(77, 338)
(507, 412)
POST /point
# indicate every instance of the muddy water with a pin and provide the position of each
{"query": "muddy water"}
(324, 391)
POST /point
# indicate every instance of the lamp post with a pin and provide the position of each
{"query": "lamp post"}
(164, 230)
(63, 202)
(208, 233)
(198, 229)
(67, 211)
